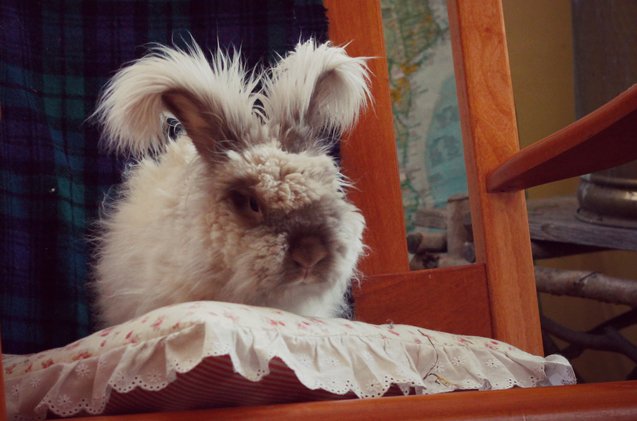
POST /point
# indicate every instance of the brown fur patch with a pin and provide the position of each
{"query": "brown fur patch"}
(205, 127)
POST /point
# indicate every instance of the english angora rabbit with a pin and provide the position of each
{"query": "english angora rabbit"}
(246, 206)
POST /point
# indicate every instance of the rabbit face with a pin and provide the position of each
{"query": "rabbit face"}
(289, 219)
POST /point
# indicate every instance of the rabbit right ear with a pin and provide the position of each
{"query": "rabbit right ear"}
(213, 101)
(315, 91)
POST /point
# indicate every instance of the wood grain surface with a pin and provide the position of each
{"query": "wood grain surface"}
(452, 300)
(500, 226)
(601, 401)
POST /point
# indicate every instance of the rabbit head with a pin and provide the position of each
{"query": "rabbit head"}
(247, 206)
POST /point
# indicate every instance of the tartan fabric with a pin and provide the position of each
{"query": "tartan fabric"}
(54, 58)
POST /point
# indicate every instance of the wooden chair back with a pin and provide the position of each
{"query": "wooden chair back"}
(496, 296)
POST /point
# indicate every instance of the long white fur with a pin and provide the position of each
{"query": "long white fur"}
(291, 100)
(131, 109)
(172, 236)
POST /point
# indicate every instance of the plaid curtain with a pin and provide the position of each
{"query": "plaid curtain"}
(54, 58)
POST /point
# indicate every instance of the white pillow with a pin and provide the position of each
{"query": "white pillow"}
(211, 354)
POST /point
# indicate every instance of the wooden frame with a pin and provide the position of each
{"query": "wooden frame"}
(496, 297)
(612, 401)
(499, 221)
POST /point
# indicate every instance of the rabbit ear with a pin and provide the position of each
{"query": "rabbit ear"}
(314, 92)
(213, 101)
(205, 128)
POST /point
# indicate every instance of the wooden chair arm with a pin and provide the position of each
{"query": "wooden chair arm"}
(599, 401)
(602, 139)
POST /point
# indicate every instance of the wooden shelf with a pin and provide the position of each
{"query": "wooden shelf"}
(554, 220)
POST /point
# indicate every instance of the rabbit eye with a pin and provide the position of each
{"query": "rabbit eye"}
(254, 205)
(246, 205)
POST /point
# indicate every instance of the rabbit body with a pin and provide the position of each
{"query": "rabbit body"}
(246, 206)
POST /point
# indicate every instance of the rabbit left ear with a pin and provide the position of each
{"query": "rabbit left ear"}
(314, 92)
(206, 129)
(213, 100)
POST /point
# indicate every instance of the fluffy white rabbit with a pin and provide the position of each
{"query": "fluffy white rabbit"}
(246, 206)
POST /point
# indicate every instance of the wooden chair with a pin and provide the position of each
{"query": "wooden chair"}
(495, 297)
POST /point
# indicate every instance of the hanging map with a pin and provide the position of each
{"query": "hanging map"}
(423, 90)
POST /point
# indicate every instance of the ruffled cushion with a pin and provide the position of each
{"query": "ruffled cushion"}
(212, 354)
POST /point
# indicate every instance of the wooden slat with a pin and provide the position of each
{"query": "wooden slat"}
(601, 401)
(452, 300)
(487, 114)
(369, 154)
(600, 140)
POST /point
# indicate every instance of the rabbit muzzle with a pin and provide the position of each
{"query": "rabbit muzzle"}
(306, 255)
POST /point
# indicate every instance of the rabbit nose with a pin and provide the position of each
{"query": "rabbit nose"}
(308, 252)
